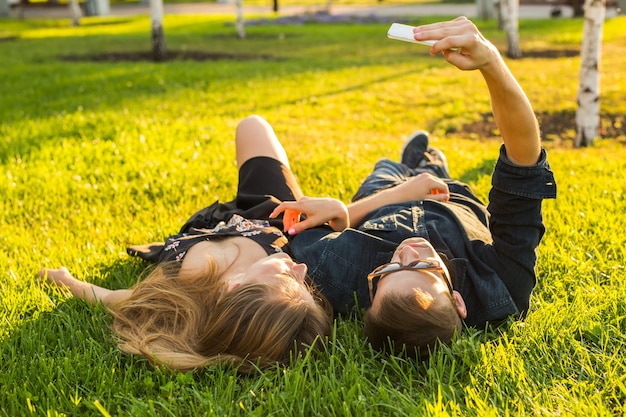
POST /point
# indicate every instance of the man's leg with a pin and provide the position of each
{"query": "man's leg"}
(417, 154)
(436, 162)
(417, 157)
(414, 149)
(386, 174)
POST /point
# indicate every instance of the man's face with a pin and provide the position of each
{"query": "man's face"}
(407, 281)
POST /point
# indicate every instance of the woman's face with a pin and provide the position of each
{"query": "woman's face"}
(278, 271)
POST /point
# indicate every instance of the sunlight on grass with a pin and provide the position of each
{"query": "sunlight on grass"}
(99, 155)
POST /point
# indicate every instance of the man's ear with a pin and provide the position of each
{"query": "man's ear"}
(460, 304)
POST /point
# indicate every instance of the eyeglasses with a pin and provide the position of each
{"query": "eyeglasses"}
(418, 265)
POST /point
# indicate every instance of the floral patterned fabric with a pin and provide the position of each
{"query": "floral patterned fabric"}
(271, 239)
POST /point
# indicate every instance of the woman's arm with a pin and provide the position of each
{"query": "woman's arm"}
(91, 293)
(321, 210)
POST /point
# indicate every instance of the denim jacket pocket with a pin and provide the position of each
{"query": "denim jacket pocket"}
(407, 219)
(384, 223)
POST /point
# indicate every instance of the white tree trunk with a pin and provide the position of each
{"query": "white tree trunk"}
(328, 6)
(158, 37)
(588, 112)
(497, 6)
(4, 8)
(239, 22)
(75, 12)
(510, 23)
(484, 9)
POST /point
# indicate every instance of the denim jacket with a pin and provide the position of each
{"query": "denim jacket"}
(490, 251)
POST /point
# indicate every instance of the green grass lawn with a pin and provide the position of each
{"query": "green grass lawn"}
(99, 155)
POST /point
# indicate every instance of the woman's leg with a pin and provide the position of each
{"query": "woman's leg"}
(263, 165)
(255, 137)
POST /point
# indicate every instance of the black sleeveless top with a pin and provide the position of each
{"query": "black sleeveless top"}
(270, 238)
(263, 183)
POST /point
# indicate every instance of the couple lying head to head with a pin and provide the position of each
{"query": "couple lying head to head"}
(273, 313)
(224, 291)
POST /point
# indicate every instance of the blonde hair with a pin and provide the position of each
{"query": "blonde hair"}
(415, 322)
(188, 321)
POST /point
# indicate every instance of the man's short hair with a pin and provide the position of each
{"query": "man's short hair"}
(415, 322)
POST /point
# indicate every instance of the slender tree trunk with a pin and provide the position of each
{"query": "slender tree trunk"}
(578, 9)
(159, 50)
(240, 23)
(75, 12)
(485, 9)
(498, 10)
(510, 23)
(4, 8)
(588, 112)
(329, 4)
(275, 6)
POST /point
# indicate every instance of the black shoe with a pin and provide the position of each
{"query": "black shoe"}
(414, 148)
(437, 157)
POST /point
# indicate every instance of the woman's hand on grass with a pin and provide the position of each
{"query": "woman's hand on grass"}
(61, 277)
(91, 293)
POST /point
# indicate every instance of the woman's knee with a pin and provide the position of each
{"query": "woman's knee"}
(251, 124)
(256, 137)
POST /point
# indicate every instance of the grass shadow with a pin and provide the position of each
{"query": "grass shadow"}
(170, 55)
(556, 127)
(478, 172)
(550, 53)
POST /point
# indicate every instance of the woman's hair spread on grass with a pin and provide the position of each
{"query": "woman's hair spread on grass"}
(410, 322)
(191, 321)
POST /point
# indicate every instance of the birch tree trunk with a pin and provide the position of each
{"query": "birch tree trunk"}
(239, 22)
(498, 10)
(510, 23)
(75, 12)
(588, 112)
(484, 9)
(158, 37)
(329, 4)
(4, 8)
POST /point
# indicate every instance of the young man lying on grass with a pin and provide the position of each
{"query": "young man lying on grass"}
(423, 254)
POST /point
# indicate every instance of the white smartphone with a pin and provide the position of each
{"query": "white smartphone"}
(405, 33)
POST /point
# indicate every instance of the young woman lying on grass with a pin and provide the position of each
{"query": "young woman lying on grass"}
(224, 289)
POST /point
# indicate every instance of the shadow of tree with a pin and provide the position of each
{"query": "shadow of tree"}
(556, 127)
(550, 53)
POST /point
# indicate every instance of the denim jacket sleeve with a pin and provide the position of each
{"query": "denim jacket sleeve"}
(516, 222)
